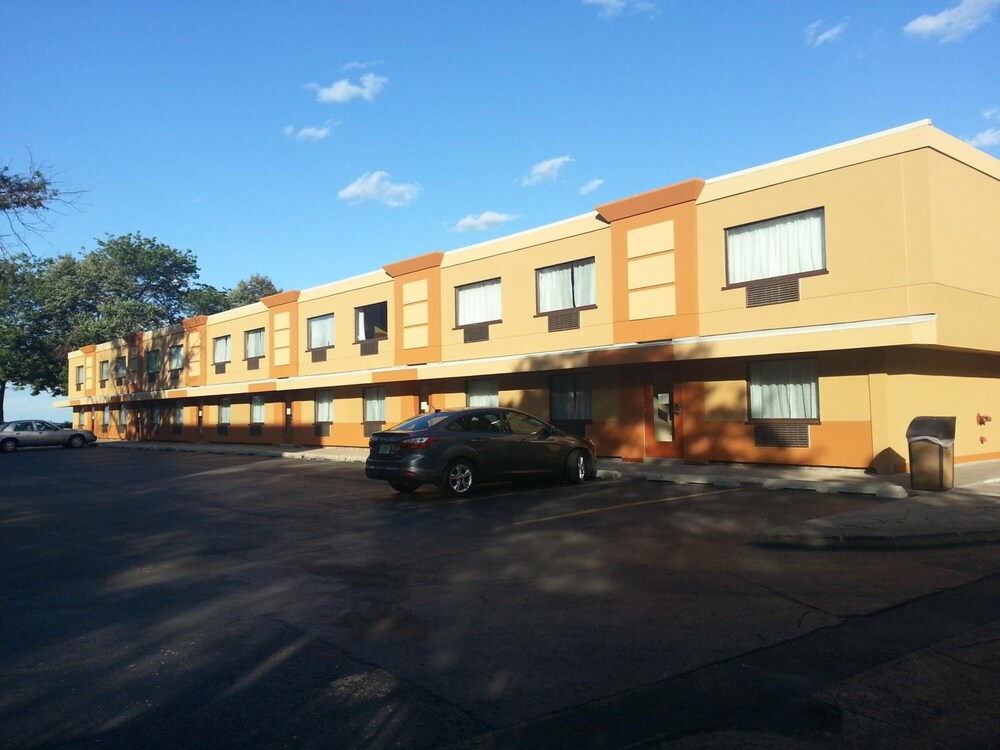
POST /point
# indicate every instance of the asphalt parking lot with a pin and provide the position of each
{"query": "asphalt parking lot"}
(164, 599)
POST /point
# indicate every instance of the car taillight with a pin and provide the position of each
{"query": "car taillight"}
(418, 443)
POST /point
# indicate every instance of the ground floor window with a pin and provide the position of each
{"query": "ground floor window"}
(324, 407)
(374, 409)
(482, 393)
(157, 417)
(178, 413)
(122, 417)
(225, 410)
(570, 397)
(256, 410)
(783, 389)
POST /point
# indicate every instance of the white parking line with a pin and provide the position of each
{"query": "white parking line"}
(622, 505)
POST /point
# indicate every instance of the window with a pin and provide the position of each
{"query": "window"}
(178, 413)
(254, 344)
(121, 367)
(105, 371)
(566, 286)
(257, 409)
(372, 321)
(176, 357)
(157, 416)
(374, 404)
(222, 349)
(106, 416)
(482, 393)
(122, 417)
(324, 407)
(225, 408)
(478, 303)
(570, 397)
(79, 376)
(320, 332)
(785, 246)
(153, 361)
(783, 389)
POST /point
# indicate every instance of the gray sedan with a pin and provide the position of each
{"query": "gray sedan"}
(30, 433)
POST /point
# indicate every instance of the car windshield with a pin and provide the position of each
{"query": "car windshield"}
(421, 422)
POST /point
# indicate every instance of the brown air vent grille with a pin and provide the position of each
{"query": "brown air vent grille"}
(564, 320)
(321, 429)
(773, 293)
(368, 348)
(478, 332)
(319, 355)
(781, 435)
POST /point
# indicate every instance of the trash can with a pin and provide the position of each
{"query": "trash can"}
(932, 453)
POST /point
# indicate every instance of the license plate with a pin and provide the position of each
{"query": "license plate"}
(385, 448)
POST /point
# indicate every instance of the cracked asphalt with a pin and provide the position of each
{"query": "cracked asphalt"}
(160, 600)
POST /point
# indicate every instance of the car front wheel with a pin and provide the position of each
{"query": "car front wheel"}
(459, 478)
(576, 467)
(8, 446)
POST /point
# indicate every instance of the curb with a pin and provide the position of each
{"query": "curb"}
(888, 491)
(945, 539)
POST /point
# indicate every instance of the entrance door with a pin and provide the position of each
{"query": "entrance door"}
(663, 419)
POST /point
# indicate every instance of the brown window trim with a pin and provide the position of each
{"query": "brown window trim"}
(383, 337)
(783, 421)
(564, 309)
(482, 323)
(320, 348)
(770, 279)
(761, 420)
(592, 259)
(459, 327)
(245, 359)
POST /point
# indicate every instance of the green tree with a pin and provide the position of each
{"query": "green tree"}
(205, 299)
(251, 290)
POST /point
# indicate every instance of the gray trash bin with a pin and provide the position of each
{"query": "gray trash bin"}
(932, 453)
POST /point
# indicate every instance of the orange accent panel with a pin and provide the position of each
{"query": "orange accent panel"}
(412, 265)
(281, 298)
(431, 352)
(190, 324)
(89, 348)
(672, 195)
(290, 305)
(266, 387)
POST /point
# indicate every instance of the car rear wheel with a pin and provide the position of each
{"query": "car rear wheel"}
(576, 467)
(8, 446)
(406, 486)
(459, 478)
(76, 441)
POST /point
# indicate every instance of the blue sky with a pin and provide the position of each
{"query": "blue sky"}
(312, 141)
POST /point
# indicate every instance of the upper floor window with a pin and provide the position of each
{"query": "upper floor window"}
(176, 357)
(785, 389)
(372, 321)
(566, 286)
(320, 332)
(153, 361)
(222, 349)
(121, 367)
(790, 245)
(254, 344)
(478, 303)
(79, 375)
(105, 370)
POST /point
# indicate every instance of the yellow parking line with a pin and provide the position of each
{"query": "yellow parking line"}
(622, 505)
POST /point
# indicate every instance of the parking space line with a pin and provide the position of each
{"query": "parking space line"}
(515, 493)
(622, 505)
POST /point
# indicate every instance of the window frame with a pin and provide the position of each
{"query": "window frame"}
(225, 411)
(468, 393)
(577, 377)
(782, 420)
(567, 264)
(333, 332)
(258, 400)
(782, 277)
(364, 402)
(229, 347)
(170, 357)
(104, 370)
(461, 326)
(316, 404)
(246, 342)
(178, 411)
(121, 367)
(81, 376)
(383, 337)
(149, 360)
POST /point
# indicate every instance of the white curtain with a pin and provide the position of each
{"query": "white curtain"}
(324, 406)
(255, 344)
(570, 397)
(321, 332)
(176, 357)
(784, 389)
(256, 410)
(178, 413)
(479, 303)
(225, 405)
(776, 247)
(483, 393)
(566, 286)
(374, 404)
(222, 349)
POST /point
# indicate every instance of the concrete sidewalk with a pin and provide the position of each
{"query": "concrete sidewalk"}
(967, 514)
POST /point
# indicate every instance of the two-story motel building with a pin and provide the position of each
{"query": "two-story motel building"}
(801, 312)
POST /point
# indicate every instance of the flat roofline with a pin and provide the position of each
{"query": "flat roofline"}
(824, 150)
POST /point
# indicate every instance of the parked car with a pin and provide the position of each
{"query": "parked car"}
(29, 433)
(457, 449)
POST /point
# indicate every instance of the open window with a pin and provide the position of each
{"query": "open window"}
(371, 326)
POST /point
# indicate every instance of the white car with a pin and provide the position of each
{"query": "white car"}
(31, 433)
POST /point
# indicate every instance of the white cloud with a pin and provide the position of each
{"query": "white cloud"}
(343, 90)
(485, 220)
(816, 35)
(310, 133)
(612, 8)
(546, 171)
(952, 24)
(993, 113)
(591, 186)
(376, 186)
(357, 65)
(989, 138)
